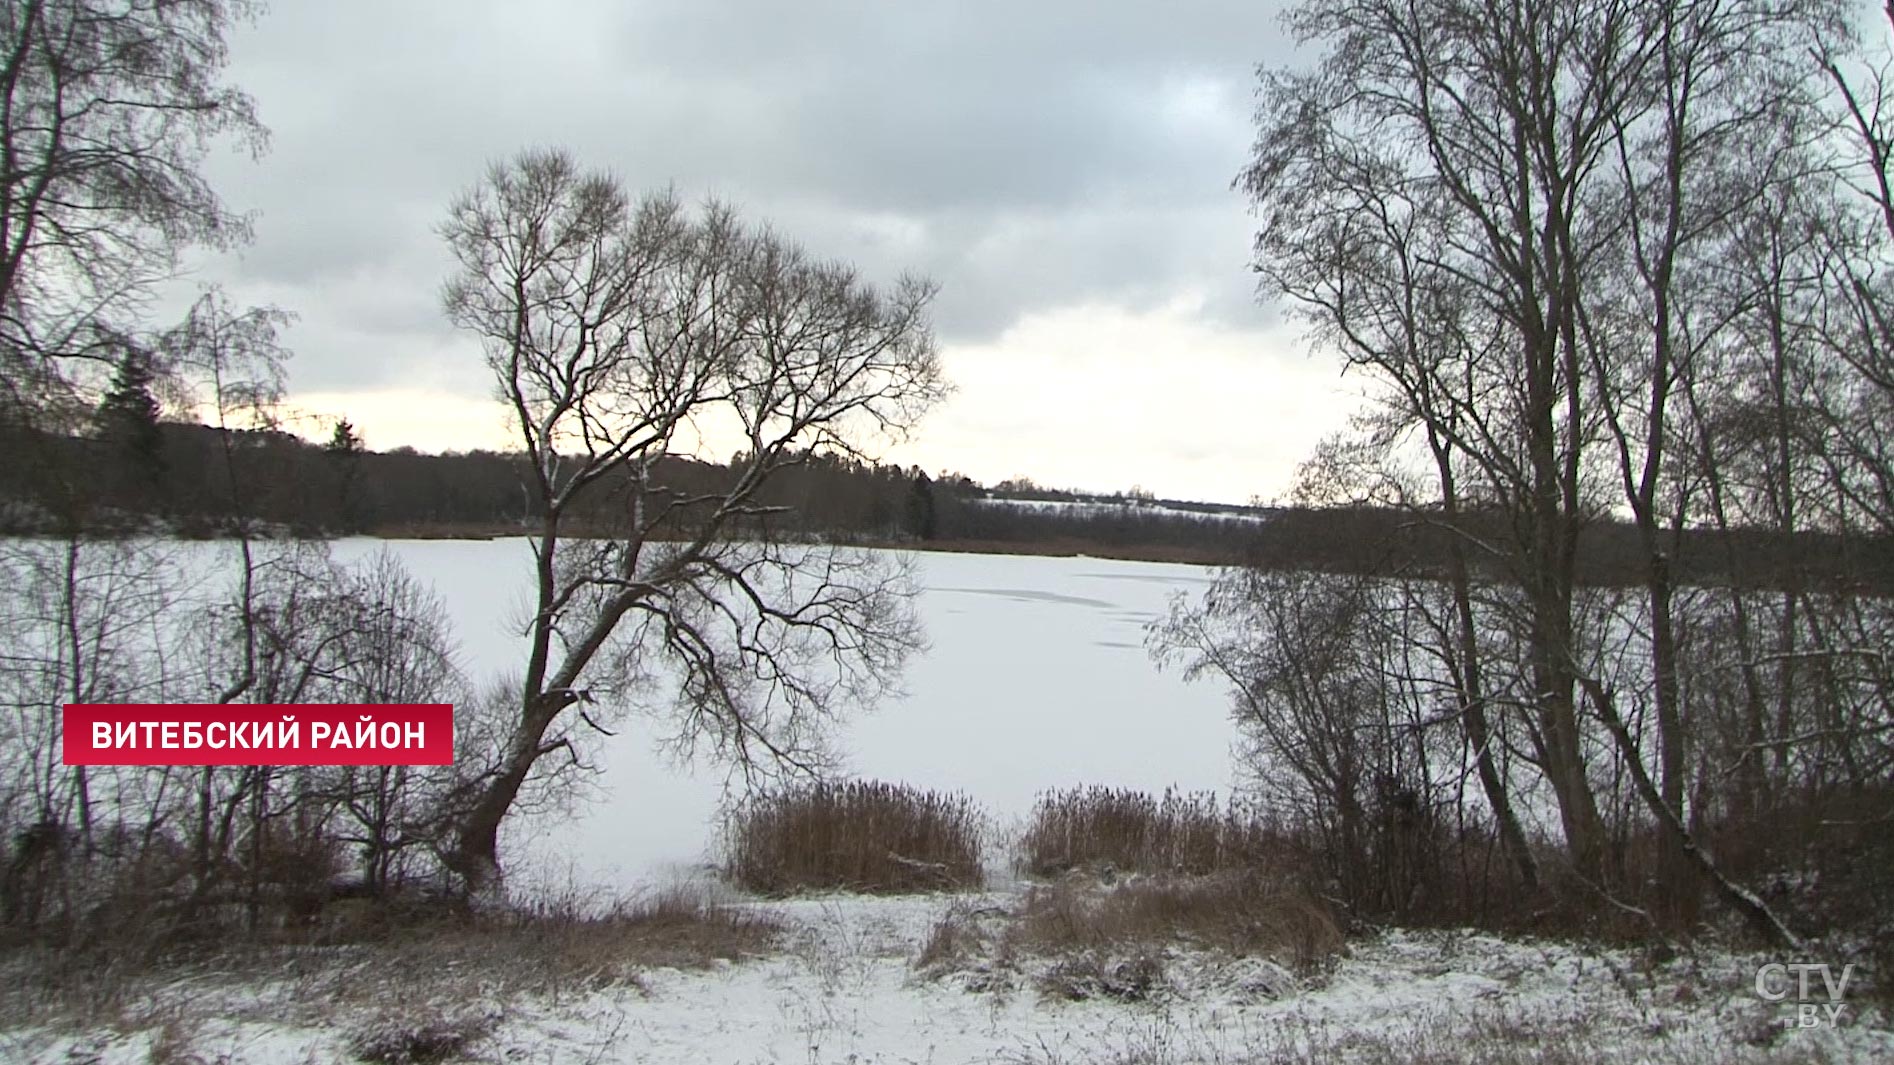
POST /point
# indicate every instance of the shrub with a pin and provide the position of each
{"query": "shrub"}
(862, 836)
(1129, 831)
(1138, 978)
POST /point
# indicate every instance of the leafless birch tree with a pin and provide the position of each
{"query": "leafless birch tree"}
(1518, 219)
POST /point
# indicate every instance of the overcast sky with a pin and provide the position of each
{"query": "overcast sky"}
(1062, 169)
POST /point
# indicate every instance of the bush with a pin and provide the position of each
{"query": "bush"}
(862, 836)
(1139, 978)
(1129, 831)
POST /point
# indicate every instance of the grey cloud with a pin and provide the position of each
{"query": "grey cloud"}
(1027, 156)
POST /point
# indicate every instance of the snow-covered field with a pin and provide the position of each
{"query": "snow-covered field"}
(843, 988)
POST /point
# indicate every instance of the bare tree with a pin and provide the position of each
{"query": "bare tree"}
(107, 108)
(1518, 219)
(622, 338)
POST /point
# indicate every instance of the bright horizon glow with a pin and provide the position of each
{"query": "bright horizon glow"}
(1008, 390)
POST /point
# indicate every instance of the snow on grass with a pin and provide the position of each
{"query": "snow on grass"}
(842, 986)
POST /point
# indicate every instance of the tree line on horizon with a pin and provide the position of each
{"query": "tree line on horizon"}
(144, 473)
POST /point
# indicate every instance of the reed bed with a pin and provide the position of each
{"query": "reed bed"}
(1132, 832)
(862, 836)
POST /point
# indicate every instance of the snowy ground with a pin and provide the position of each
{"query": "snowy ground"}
(843, 987)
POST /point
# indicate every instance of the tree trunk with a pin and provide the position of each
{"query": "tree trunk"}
(1564, 757)
(476, 854)
(1478, 731)
(1745, 902)
(1676, 880)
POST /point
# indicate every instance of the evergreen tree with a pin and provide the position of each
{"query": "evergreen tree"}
(345, 451)
(921, 521)
(127, 424)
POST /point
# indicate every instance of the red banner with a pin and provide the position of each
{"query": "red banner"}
(281, 734)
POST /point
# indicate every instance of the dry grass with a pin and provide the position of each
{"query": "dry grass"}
(955, 939)
(1082, 939)
(1237, 913)
(551, 946)
(1130, 831)
(969, 935)
(410, 1037)
(861, 836)
(1136, 977)
(563, 942)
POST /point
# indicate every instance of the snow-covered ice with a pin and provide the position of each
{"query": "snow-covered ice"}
(1036, 678)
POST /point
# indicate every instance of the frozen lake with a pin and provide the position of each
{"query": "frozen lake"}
(1036, 678)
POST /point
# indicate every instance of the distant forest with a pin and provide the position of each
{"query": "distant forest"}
(134, 473)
